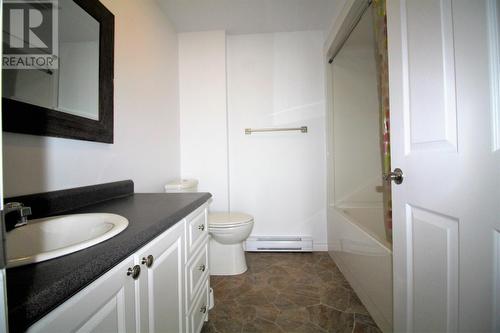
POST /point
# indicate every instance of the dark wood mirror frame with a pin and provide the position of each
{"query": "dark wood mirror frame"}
(19, 117)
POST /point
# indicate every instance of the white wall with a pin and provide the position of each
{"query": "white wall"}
(146, 147)
(203, 112)
(277, 80)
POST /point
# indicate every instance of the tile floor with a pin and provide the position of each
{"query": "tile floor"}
(287, 292)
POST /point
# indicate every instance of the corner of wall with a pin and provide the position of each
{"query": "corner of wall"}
(203, 112)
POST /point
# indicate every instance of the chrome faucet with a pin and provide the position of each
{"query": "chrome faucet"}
(22, 212)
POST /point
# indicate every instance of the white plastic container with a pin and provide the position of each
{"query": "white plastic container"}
(182, 185)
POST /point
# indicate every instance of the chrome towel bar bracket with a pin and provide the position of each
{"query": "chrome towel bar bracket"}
(249, 131)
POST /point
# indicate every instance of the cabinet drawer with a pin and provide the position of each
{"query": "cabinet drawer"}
(197, 228)
(199, 312)
(197, 272)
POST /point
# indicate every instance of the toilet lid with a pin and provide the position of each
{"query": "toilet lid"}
(226, 220)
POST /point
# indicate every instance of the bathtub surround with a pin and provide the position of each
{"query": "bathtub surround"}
(357, 237)
(356, 125)
(146, 117)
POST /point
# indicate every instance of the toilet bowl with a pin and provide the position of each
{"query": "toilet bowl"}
(228, 231)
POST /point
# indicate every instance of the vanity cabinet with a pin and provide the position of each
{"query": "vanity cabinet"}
(163, 287)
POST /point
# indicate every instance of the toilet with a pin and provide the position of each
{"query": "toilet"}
(228, 231)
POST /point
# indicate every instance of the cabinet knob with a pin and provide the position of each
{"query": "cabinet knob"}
(202, 268)
(148, 261)
(134, 272)
(201, 227)
(203, 309)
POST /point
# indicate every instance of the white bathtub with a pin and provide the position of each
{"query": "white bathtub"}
(370, 218)
(357, 243)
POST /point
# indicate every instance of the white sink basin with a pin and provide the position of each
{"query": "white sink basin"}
(52, 237)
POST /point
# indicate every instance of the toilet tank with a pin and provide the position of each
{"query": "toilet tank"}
(182, 185)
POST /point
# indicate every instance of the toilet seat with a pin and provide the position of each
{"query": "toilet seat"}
(228, 220)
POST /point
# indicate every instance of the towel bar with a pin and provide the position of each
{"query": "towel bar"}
(248, 131)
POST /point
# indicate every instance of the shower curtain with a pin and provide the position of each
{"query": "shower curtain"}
(380, 28)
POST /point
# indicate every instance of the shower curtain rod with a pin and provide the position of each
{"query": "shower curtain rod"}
(350, 31)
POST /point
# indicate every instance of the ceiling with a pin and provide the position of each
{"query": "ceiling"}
(251, 16)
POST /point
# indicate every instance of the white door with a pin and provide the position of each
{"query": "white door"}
(162, 282)
(445, 133)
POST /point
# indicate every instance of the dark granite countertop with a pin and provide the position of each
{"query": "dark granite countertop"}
(36, 289)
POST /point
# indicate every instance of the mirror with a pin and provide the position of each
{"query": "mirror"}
(73, 87)
(74, 98)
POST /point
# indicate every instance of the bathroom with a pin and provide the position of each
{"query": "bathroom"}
(246, 158)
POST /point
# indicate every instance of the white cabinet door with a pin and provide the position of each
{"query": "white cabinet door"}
(106, 305)
(162, 284)
(444, 79)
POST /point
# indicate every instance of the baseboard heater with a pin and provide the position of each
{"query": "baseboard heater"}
(279, 244)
